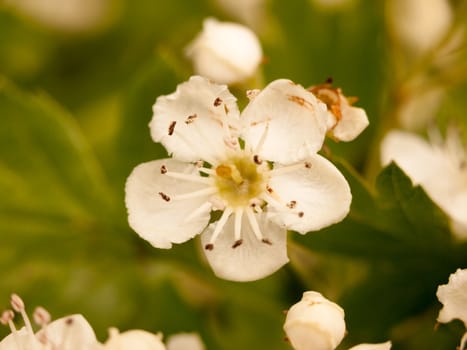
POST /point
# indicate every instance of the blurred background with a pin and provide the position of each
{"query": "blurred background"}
(78, 79)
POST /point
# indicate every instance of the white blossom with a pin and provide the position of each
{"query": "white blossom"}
(453, 296)
(68, 333)
(133, 339)
(315, 323)
(380, 346)
(225, 52)
(185, 341)
(419, 24)
(260, 170)
(440, 168)
(344, 121)
(68, 15)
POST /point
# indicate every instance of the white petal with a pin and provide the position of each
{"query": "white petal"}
(253, 259)
(189, 122)
(453, 296)
(380, 346)
(354, 121)
(315, 323)
(290, 120)
(19, 341)
(134, 339)
(225, 52)
(159, 221)
(185, 341)
(429, 166)
(320, 193)
(71, 333)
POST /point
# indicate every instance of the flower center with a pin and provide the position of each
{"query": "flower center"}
(240, 180)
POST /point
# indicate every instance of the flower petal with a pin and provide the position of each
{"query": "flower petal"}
(134, 339)
(253, 259)
(225, 52)
(354, 121)
(379, 346)
(310, 197)
(69, 331)
(453, 296)
(185, 341)
(192, 122)
(288, 120)
(157, 220)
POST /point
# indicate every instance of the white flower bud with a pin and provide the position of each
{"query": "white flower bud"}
(185, 341)
(380, 346)
(315, 323)
(133, 339)
(225, 52)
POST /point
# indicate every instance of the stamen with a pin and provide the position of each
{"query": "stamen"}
(254, 224)
(292, 204)
(164, 196)
(289, 168)
(69, 322)
(237, 243)
(203, 192)
(163, 169)
(217, 102)
(281, 207)
(238, 223)
(172, 128)
(219, 226)
(257, 159)
(18, 305)
(191, 118)
(300, 214)
(197, 211)
(266, 241)
(41, 316)
(188, 177)
(7, 316)
(260, 144)
(251, 94)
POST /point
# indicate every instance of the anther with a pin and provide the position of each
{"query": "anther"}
(269, 189)
(251, 94)
(41, 316)
(7, 316)
(266, 241)
(17, 303)
(209, 246)
(291, 204)
(217, 102)
(257, 159)
(69, 321)
(164, 196)
(300, 214)
(237, 243)
(307, 165)
(163, 169)
(172, 128)
(191, 118)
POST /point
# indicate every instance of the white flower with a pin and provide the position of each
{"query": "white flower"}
(185, 341)
(315, 323)
(453, 296)
(441, 169)
(67, 333)
(380, 346)
(344, 122)
(261, 170)
(419, 24)
(69, 15)
(225, 52)
(133, 339)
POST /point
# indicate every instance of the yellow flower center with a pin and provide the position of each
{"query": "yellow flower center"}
(239, 181)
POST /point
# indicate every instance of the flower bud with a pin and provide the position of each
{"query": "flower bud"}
(133, 339)
(225, 52)
(315, 323)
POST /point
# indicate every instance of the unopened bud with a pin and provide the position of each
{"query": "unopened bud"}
(17, 303)
(315, 323)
